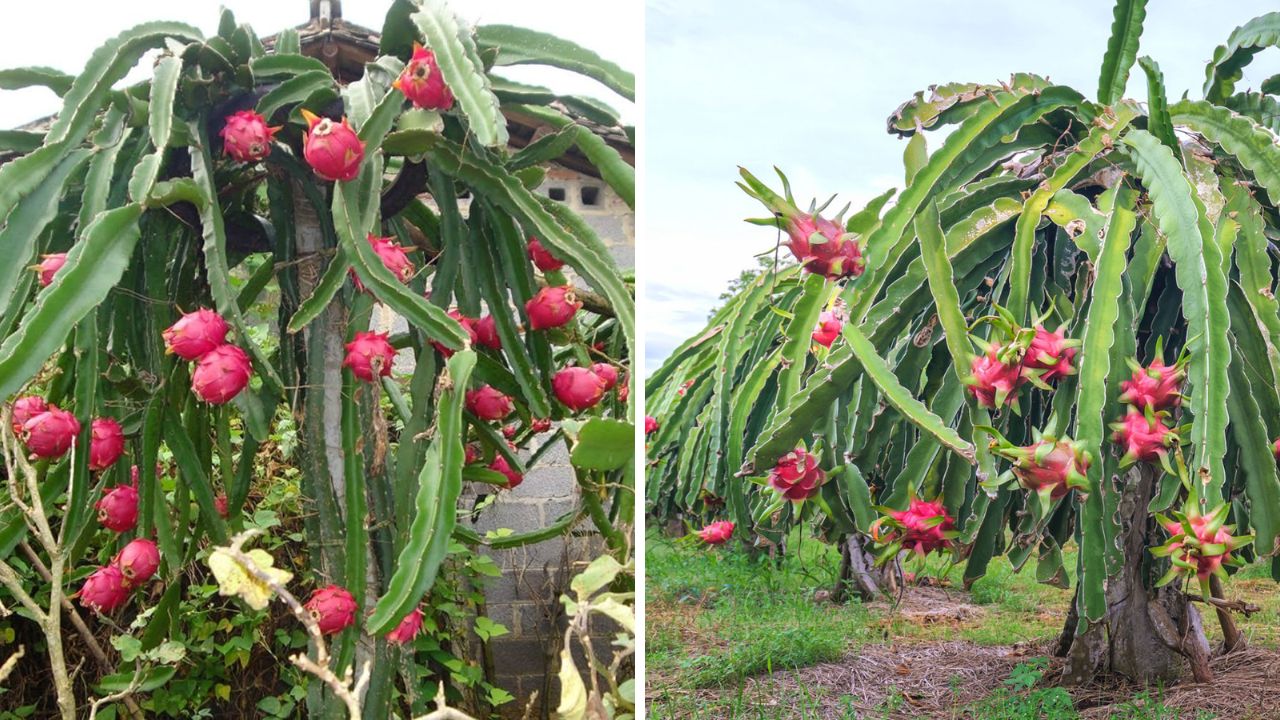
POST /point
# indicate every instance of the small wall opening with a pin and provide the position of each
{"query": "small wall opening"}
(557, 194)
(590, 195)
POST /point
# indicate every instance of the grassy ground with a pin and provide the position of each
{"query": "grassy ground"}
(732, 637)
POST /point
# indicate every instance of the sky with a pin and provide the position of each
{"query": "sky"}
(63, 33)
(807, 86)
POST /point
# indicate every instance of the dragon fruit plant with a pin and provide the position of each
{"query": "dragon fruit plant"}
(149, 221)
(1069, 297)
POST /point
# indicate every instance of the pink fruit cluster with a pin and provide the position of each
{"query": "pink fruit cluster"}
(108, 587)
(552, 307)
(922, 528)
(222, 370)
(1199, 544)
(580, 388)
(1151, 393)
(370, 355)
(422, 81)
(717, 533)
(1002, 369)
(333, 608)
(797, 476)
(332, 148)
(246, 137)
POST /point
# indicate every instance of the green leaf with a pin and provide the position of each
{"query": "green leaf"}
(19, 78)
(151, 679)
(462, 72)
(294, 90)
(1158, 121)
(285, 64)
(915, 156)
(521, 46)
(1227, 65)
(28, 221)
(1122, 48)
(164, 86)
(604, 444)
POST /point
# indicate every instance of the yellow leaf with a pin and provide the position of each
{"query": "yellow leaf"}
(233, 579)
(573, 693)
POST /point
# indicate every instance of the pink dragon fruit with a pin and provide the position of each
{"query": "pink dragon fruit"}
(1049, 356)
(717, 533)
(408, 628)
(49, 266)
(106, 444)
(542, 257)
(922, 528)
(606, 372)
(118, 508)
(486, 331)
(222, 505)
(1199, 544)
(333, 608)
(501, 465)
(578, 388)
(829, 326)
(104, 590)
(1143, 439)
(797, 475)
(221, 374)
(51, 433)
(137, 561)
(1050, 467)
(246, 137)
(995, 379)
(540, 425)
(1156, 386)
(650, 425)
(1275, 446)
(369, 355)
(423, 82)
(468, 325)
(624, 389)
(25, 408)
(471, 453)
(509, 431)
(332, 149)
(834, 254)
(488, 403)
(393, 258)
(552, 307)
(195, 334)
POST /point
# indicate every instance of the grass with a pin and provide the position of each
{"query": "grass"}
(727, 634)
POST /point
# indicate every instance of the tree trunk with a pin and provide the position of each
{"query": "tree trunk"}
(859, 573)
(1147, 631)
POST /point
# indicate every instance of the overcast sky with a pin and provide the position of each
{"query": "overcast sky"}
(807, 85)
(63, 33)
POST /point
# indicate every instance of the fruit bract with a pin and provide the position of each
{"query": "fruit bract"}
(106, 443)
(542, 257)
(49, 266)
(333, 608)
(578, 388)
(488, 403)
(552, 307)
(25, 408)
(137, 561)
(829, 326)
(332, 149)
(51, 433)
(104, 590)
(369, 355)
(221, 374)
(246, 137)
(501, 465)
(408, 628)
(797, 475)
(118, 508)
(1156, 386)
(606, 372)
(195, 334)
(1049, 355)
(422, 81)
(922, 528)
(717, 533)
(1143, 439)
(486, 331)
(994, 379)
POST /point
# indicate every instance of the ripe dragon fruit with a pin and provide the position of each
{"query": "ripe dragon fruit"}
(1048, 358)
(408, 628)
(995, 377)
(922, 528)
(542, 257)
(501, 465)
(423, 82)
(717, 533)
(540, 425)
(222, 505)
(106, 444)
(393, 258)
(1275, 446)
(468, 326)
(369, 355)
(578, 388)
(1144, 439)
(797, 475)
(650, 425)
(829, 326)
(118, 508)
(486, 332)
(471, 453)
(509, 431)
(1156, 386)
(137, 561)
(822, 247)
(51, 433)
(1199, 544)
(221, 374)
(606, 372)
(49, 266)
(332, 149)
(552, 307)
(333, 609)
(1050, 466)
(195, 334)
(246, 137)
(25, 408)
(104, 590)
(488, 403)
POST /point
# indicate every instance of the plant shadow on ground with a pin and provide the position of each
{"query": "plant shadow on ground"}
(730, 636)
